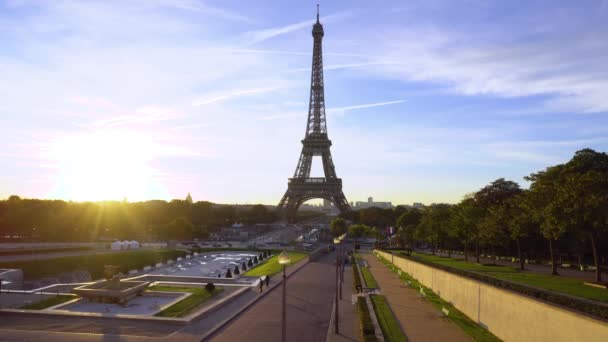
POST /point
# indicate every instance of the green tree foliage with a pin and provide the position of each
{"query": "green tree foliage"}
(464, 224)
(54, 220)
(358, 231)
(337, 226)
(406, 225)
(579, 199)
(494, 201)
(433, 226)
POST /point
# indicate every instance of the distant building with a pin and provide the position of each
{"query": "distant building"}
(189, 199)
(418, 205)
(370, 204)
(326, 203)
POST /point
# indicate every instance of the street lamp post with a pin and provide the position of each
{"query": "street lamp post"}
(342, 260)
(338, 293)
(284, 261)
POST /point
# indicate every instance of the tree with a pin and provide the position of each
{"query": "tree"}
(182, 228)
(464, 224)
(337, 226)
(520, 222)
(544, 209)
(433, 225)
(493, 199)
(406, 225)
(358, 231)
(582, 198)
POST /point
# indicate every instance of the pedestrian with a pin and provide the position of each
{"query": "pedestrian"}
(267, 280)
(261, 284)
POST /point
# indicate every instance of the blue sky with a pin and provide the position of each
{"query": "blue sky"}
(426, 100)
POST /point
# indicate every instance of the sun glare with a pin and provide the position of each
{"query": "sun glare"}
(106, 165)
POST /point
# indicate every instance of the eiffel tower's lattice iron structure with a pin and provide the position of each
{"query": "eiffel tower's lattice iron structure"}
(302, 187)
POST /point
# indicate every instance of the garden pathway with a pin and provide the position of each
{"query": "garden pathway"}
(419, 319)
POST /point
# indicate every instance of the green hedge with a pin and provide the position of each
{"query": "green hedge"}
(356, 278)
(365, 320)
(584, 306)
(93, 263)
(25, 251)
(388, 323)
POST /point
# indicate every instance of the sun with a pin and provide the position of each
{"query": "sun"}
(105, 165)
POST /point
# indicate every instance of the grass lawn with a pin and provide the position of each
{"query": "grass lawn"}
(389, 325)
(365, 321)
(93, 263)
(570, 286)
(187, 305)
(369, 279)
(47, 303)
(477, 332)
(271, 266)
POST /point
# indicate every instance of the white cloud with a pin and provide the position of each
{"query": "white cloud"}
(569, 71)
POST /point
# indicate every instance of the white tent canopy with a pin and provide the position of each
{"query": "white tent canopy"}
(117, 245)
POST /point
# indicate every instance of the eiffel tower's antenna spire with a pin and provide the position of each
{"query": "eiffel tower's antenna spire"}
(317, 13)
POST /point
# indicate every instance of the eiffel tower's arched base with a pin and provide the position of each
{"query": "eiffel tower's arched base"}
(300, 191)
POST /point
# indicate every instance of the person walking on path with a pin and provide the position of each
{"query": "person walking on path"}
(267, 280)
(261, 284)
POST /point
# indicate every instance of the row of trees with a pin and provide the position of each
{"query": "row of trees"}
(565, 208)
(54, 220)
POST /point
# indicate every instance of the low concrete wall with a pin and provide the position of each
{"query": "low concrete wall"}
(508, 315)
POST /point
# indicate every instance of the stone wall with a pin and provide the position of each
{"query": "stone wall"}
(510, 316)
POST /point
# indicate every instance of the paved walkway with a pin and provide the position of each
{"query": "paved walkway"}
(348, 318)
(310, 294)
(419, 319)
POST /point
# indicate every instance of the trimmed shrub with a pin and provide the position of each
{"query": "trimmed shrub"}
(209, 287)
(228, 274)
(250, 263)
(255, 259)
(244, 266)
(236, 270)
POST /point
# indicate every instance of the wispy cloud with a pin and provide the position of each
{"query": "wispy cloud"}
(258, 36)
(217, 97)
(342, 110)
(569, 71)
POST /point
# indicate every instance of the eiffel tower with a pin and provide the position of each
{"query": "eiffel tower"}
(302, 187)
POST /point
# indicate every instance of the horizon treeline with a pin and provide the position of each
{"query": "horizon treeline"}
(58, 220)
(563, 213)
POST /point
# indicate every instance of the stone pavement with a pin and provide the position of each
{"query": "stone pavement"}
(419, 319)
(310, 294)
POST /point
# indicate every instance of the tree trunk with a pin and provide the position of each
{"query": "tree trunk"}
(449, 252)
(553, 264)
(519, 255)
(477, 251)
(598, 270)
(466, 251)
